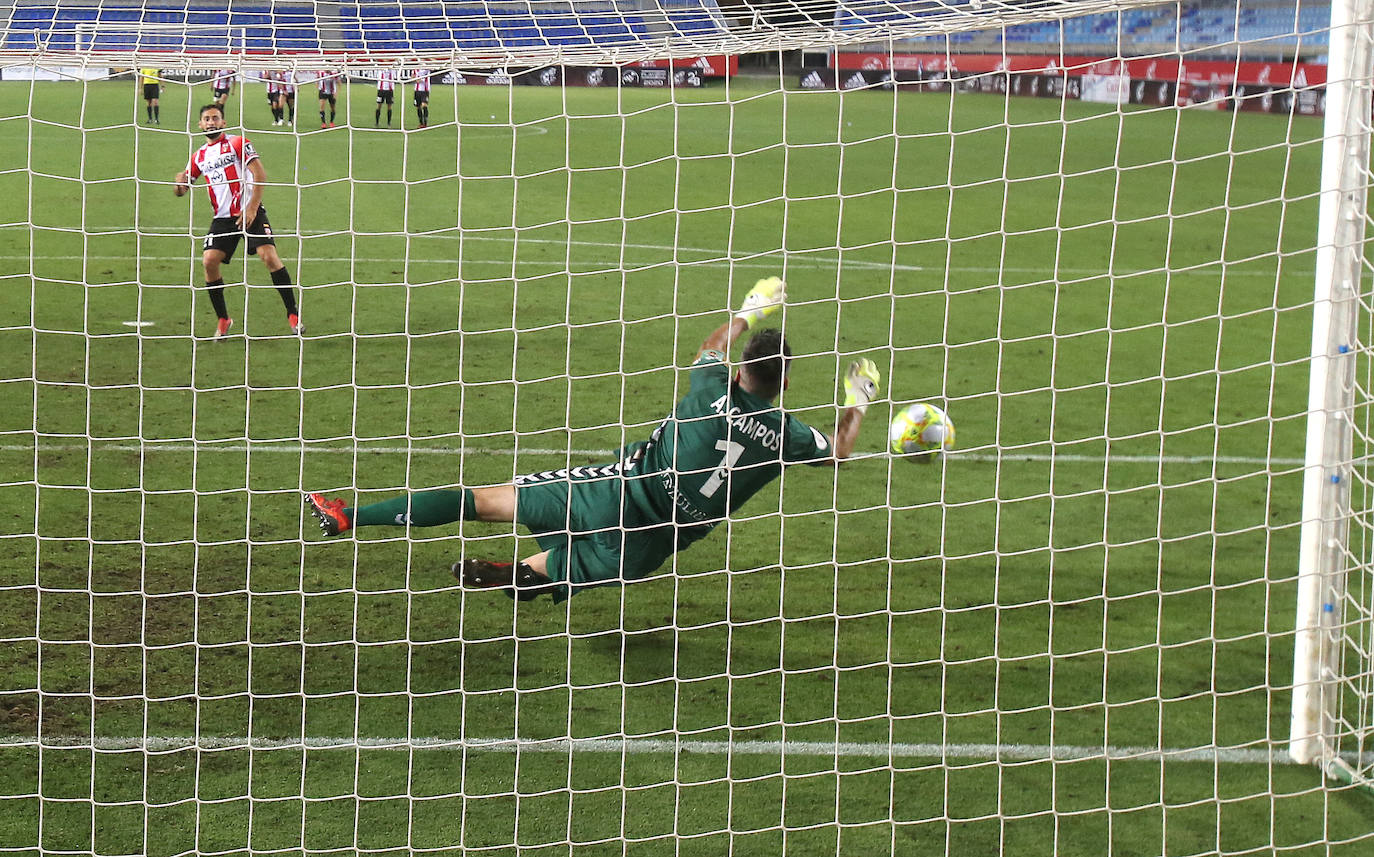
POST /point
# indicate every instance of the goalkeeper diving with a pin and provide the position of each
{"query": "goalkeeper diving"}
(619, 522)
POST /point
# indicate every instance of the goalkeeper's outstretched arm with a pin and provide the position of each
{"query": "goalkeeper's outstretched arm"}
(764, 299)
(846, 433)
(860, 387)
(723, 337)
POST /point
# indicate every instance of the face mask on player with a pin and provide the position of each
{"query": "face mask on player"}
(214, 135)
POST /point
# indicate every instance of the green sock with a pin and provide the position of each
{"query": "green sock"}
(421, 509)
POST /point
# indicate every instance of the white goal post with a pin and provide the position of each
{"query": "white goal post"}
(1110, 239)
(1333, 706)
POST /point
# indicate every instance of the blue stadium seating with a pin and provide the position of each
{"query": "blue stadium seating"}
(1268, 24)
(426, 26)
(433, 25)
(262, 27)
(365, 25)
(693, 17)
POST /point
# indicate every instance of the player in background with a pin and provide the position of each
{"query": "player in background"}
(327, 86)
(234, 177)
(386, 94)
(289, 96)
(422, 96)
(619, 522)
(276, 95)
(273, 95)
(152, 88)
(221, 83)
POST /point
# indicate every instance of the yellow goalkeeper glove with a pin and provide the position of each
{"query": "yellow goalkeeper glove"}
(763, 300)
(861, 384)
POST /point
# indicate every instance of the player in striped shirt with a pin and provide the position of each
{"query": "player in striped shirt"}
(289, 95)
(270, 78)
(422, 96)
(328, 87)
(234, 177)
(386, 94)
(276, 96)
(221, 83)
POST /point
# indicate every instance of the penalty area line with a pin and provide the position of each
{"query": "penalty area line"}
(662, 746)
(296, 448)
(555, 266)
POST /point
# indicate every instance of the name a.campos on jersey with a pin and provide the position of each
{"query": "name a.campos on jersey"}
(748, 427)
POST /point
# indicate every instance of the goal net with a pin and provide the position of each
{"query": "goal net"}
(1120, 244)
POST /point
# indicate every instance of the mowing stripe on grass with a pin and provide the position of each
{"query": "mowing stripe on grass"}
(763, 259)
(293, 448)
(635, 746)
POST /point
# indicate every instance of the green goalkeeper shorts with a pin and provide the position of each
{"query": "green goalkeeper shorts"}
(578, 517)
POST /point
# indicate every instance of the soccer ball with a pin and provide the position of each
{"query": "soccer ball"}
(922, 430)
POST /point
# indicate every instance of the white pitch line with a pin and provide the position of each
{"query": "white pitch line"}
(290, 448)
(712, 253)
(1126, 459)
(613, 264)
(762, 262)
(297, 448)
(189, 231)
(659, 746)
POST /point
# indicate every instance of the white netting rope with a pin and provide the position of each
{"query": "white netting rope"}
(960, 591)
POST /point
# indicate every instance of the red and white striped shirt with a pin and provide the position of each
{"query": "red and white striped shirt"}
(274, 82)
(224, 163)
(223, 78)
(386, 80)
(327, 82)
(422, 80)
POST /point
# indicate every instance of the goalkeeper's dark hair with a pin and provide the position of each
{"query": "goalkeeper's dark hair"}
(766, 359)
(212, 106)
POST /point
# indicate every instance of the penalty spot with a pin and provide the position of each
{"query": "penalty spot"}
(139, 323)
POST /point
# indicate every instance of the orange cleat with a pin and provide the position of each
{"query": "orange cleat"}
(333, 520)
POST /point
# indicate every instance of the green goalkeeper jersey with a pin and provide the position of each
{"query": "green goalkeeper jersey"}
(720, 445)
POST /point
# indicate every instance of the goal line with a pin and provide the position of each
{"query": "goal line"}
(661, 746)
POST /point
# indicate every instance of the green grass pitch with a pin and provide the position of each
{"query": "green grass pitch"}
(1113, 306)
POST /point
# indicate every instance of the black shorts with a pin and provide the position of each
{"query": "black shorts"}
(272, 97)
(220, 93)
(421, 98)
(326, 96)
(386, 96)
(150, 91)
(225, 234)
